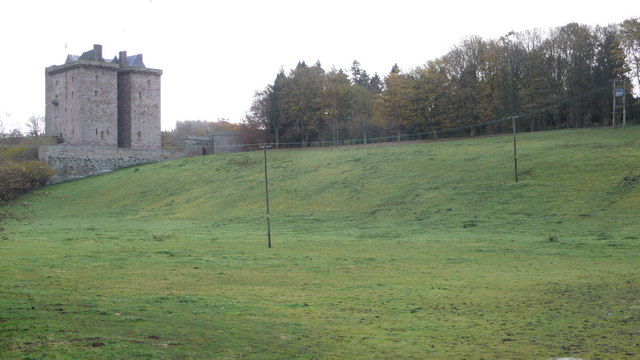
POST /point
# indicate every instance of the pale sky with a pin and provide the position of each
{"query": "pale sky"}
(215, 55)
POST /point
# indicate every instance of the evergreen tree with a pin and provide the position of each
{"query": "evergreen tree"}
(358, 75)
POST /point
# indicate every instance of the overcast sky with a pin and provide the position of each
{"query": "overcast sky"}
(215, 55)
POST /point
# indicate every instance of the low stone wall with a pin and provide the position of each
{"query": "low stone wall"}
(74, 162)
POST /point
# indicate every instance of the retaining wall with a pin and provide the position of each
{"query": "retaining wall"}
(74, 162)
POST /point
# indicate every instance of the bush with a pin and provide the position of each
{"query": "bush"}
(24, 149)
(18, 153)
(19, 177)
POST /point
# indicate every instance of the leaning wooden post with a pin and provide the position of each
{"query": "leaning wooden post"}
(515, 152)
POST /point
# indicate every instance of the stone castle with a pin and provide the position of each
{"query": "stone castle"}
(106, 113)
(95, 102)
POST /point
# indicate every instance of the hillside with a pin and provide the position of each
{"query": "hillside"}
(576, 183)
(404, 251)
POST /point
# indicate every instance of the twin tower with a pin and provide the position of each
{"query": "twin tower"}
(95, 102)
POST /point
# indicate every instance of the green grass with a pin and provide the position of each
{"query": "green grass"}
(421, 251)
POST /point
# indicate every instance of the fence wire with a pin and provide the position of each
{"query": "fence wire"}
(484, 128)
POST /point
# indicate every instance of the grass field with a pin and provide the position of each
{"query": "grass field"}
(420, 251)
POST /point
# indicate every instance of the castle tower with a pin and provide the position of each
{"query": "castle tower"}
(82, 100)
(138, 104)
(112, 103)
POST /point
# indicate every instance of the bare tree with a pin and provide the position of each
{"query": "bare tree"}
(35, 125)
(15, 133)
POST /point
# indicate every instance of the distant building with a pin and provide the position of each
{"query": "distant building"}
(91, 101)
(218, 142)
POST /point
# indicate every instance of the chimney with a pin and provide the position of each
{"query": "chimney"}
(123, 59)
(97, 52)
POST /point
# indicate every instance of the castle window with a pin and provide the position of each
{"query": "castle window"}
(139, 135)
(101, 135)
(140, 95)
(95, 92)
(72, 78)
(96, 77)
(96, 132)
(72, 94)
(148, 82)
(56, 82)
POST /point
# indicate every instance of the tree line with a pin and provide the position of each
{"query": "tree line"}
(558, 78)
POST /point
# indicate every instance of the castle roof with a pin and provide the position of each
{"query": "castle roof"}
(72, 58)
(94, 54)
(94, 58)
(135, 60)
(90, 55)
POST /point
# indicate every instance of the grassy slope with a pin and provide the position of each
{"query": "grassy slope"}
(413, 251)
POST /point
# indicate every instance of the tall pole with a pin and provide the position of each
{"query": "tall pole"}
(266, 186)
(620, 92)
(614, 105)
(515, 152)
(624, 103)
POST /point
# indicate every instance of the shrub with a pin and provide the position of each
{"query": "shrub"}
(19, 153)
(26, 149)
(19, 177)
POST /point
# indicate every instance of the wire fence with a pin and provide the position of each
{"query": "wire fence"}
(493, 127)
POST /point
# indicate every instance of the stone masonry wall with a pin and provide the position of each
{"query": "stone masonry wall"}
(74, 162)
(139, 110)
(81, 103)
(99, 107)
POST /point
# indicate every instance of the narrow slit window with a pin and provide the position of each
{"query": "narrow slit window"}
(95, 92)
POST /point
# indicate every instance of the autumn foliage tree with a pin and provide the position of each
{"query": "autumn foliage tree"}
(550, 79)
